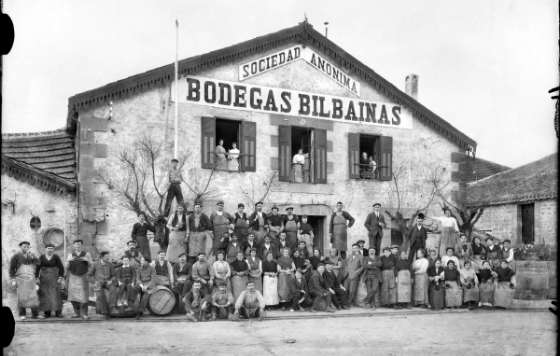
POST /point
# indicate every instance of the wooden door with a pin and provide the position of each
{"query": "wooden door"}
(528, 223)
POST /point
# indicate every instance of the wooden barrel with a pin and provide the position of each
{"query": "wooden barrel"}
(162, 301)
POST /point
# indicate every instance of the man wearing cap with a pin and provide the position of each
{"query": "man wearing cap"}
(126, 279)
(77, 266)
(174, 189)
(257, 223)
(163, 271)
(222, 302)
(241, 223)
(268, 247)
(372, 277)
(417, 237)
(140, 234)
(250, 303)
(363, 251)
(183, 281)
(23, 269)
(354, 268)
(305, 233)
(319, 290)
(275, 223)
(291, 226)
(202, 273)
(234, 247)
(221, 222)
(375, 223)
(103, 273)
(50, 272)
(341, 220)
(197, 302)
(132, 253)
(199, 227)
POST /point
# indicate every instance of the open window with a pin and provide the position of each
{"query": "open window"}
(302, 155)
(370, 156)
(228, 145)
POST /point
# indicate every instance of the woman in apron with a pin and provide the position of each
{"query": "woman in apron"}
(255, 270)
(291, 228)
(486, 285)
(286, 281)
(221, 271)
(453, 291)
(297, 166)
(449, 231)
(503, 295)
(51, 275)
(178, 226)
(469, 281)
(420, 268)
(270, 281)
(239, 275)
(404, 283)
(22, 274)
(241, 224)
(437, 292)
(220, 152)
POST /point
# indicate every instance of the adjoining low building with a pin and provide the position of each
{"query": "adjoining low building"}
(519, 204)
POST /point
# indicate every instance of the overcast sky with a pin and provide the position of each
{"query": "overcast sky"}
(484, 66)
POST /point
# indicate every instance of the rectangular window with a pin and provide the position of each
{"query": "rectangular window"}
(370, 156)
(527, 223)
(228, 145)
(302, 154)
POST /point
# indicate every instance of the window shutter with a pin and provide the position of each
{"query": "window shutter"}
(320, 155)
(386, 158)
(354, 155)
(248, 146)
(284, 152)
(208, 141)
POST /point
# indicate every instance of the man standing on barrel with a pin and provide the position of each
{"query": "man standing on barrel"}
(221, 222)
(199, 225)
(375, 222)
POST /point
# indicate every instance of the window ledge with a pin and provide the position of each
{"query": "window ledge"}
(303, 188)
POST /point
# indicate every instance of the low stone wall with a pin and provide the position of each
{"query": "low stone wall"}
(536, 280)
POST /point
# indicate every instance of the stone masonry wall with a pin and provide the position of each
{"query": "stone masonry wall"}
(546, 216)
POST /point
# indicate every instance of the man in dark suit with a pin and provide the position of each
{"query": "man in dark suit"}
(257, 223)
(266, 247)
(319, 290)
(375, 222)
(364, 251)
(417, 237)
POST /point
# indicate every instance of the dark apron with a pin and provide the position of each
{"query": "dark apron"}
(49, 289)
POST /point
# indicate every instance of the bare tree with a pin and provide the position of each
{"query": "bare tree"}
(260, 192)
(466, 217)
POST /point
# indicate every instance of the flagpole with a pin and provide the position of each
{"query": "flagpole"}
(176, 96)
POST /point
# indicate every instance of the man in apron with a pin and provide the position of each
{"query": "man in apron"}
(275, 223)
(341, 220)
(241, 223)
(51, 274)
(257, 223)
(199, 225)
(221, 222)
(22, 275)
(291, 227)
(78, 264)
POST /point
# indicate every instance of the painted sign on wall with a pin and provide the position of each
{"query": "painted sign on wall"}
(240, 96)
(291, 54)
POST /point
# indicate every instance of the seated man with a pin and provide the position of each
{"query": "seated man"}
(301, 298)
(164, 271)
(319, 290)
(222, 302)
(201, 272)
(250, 303)
(145, 284)
(197, 303)
(183, 281)
(126, 279)
(104, 286)
(338, 292)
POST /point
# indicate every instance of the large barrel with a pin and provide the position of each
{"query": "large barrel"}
(162, 301)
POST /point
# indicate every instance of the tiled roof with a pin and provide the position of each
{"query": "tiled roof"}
(482, 168)
(302, 33)
(46, 158)
(534, 181)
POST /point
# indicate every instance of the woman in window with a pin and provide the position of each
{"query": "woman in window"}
(453, 291)
(420, 268)
(178, 226)
(233, 158)
(486, 285)
(372, 167)
(364, 166)
(220, 153)
(297, 166)
(437, 291)
(306, 168)
(469, 281)
(270, 280)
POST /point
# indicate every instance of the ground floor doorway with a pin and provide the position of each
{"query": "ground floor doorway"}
(318, 225)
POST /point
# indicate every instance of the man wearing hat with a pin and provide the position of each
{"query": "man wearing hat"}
(291, 226)
(493, 252)
(363, 251)
(257, 223)
(375, 223)
(103, 273)
(174, 189)
(77, 267)
(132, 253)
(199, 228)
(50, 272)
(182, 272)
(221, 222)
(341, 220)
(241, 223)
(23, 269)
(319, 290)
(339, 294)
(417, 237)
(275, 223)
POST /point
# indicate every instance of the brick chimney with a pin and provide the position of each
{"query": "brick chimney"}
(411, 85)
